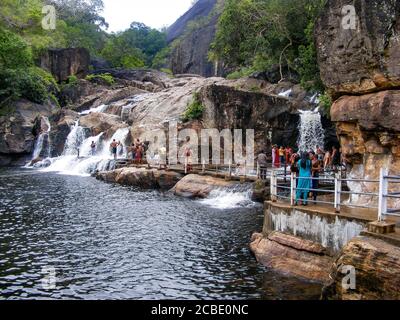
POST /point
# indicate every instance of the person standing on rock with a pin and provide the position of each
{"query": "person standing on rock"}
(93, 148)
(304, 184)
(262, 162)
(114, 146)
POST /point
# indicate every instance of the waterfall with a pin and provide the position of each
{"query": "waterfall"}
(286, 93)
(230, 197)
(99, 109)
(311, 131)
(42, 144)
(87, 163)
(74, 140)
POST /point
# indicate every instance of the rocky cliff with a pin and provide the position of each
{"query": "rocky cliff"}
(62, 63)
(192, 35)
(376, 265)
(360, 65)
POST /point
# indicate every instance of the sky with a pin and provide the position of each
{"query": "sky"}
(154, 13)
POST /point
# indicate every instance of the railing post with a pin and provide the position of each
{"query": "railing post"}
(292, 189)
(203, 169)
(274, 189)
(338, 191)
(230, 168)
(258, 171)
(383, 190)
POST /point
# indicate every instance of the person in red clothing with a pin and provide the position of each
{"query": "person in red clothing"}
(277, 160)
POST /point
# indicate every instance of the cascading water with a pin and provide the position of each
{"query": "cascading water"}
(230, 197)
(312, 133)
(87, 163)
(98, 109)
(42, 144)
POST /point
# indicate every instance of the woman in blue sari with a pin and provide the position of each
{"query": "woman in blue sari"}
(304, 181)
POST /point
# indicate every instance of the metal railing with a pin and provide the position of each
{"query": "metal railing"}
(336, 187)
(385, 181)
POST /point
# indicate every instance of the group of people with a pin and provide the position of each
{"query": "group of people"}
(307, 166)
(137, 150)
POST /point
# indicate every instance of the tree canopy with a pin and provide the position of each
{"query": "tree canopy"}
(253, 35)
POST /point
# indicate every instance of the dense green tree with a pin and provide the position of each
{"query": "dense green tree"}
(256, 34)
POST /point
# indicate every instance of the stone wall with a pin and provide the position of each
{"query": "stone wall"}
(330, 230)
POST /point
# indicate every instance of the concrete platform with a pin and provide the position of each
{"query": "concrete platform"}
(321, 224)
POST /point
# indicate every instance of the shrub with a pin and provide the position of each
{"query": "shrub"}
(32, 83)
(325, 101)
(103, 78)
(72, 80)
(194, 110)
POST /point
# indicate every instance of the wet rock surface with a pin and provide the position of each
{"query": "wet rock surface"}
(141, 177)
(197, 186)
(377, 266)
(292, 255)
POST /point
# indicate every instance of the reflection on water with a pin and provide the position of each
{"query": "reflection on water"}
(108, 241)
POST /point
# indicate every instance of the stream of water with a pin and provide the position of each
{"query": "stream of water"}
(106, 241)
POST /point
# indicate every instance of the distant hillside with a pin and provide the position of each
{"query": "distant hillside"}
(202, 8)
(190, 38)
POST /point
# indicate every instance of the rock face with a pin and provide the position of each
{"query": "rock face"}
(292, 255)
(101, 122)
(196, 186)
(201, 8)
(377, 265)
(62, 122)
(17, 130)
(190, 50)
(275, 119)
(359, 66)
(141, 177)
(62, 63)
(363, 59)
(190, 55)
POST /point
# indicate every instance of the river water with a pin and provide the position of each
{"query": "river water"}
(103, 241)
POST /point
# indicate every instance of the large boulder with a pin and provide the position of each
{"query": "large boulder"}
(101, 122)
(377, 271)
(292, 255)
(197, 186)
(141, 177)
(18, 130)
(363, 59)
(63, 63)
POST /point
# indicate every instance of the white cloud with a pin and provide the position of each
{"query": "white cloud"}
(154, 13)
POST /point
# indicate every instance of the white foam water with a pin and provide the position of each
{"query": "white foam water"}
(229, 198)
(100, 109)
(86, 164)
(312, 133)
(286, 93)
